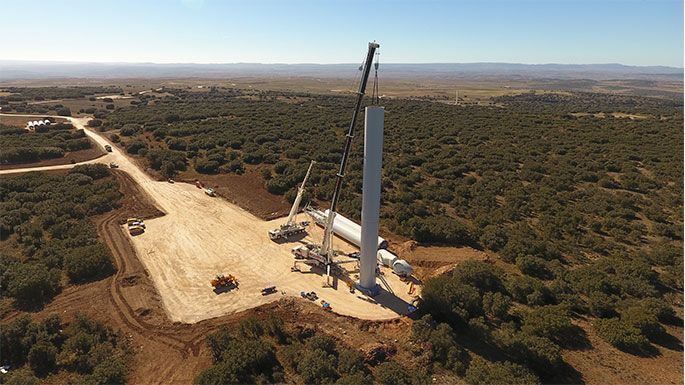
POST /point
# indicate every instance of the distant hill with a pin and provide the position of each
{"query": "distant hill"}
(15, 70)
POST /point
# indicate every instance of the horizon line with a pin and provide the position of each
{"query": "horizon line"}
(51, 61)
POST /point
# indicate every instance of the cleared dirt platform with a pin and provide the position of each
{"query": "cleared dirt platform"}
(201, 237)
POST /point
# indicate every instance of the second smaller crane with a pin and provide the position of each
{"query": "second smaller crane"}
(291, 227)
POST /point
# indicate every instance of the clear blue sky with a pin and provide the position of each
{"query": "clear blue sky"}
(637, 32)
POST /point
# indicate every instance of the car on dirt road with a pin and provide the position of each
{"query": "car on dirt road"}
(113, 165)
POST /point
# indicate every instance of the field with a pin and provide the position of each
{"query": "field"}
(568, 221)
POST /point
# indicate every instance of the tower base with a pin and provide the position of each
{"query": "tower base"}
(371, 292)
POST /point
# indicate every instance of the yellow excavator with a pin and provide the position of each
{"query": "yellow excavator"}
(222, 281)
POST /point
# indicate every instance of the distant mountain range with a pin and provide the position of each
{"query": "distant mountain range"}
(15, 70)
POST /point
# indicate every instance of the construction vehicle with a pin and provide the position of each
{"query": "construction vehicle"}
(135, 230)
(131, 220)
(323, 254)
(291, 227)
(108, 148)
(268, 290)
(210, 192)
(222, 281)
(113, 165)
(309, 295)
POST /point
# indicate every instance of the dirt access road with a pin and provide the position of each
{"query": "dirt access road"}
(200, 237)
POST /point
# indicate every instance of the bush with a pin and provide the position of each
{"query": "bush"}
(129, 130)
(538, 353)
(443, 344)
(392, 373)
(551, 321)
(88, 263)
(22, 377)
(135, 147)
(63, 111)
(496, 305)
(493, 237)
(41, 358)
(448, 299)
(480, 275)
(529, 290)
(94, 123)
(32, 285)
(205, 166)
(95, 170)
(534, 266)
(439, 229)
(316, 367)
(621, 335)
(498, 373)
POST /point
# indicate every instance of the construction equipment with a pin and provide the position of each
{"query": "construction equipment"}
(135, 230)
(309, 295)
(268, 290)
(131, 220)
(210, 192)
(323, 254)
(291, 227)
(222, 281)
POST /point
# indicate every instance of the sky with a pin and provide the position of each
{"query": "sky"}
(632, 32)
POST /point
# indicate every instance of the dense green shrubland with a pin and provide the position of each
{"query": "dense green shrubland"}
(262, 351)
(21, 146)
(85, 351)
(45, 231)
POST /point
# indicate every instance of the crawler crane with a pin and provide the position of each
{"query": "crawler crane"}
(291, 227)
(322, 255)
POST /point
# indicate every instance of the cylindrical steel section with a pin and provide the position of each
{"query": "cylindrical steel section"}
(371, 195)
(352, 232)
(386, 258)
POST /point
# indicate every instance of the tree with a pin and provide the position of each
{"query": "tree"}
(446, 299)
(496, 305)
(316, 367)
(41, 358)
(32, 285)
(551, 321)
(622, 335)
(480, 275)
(22, 377)
(88, 263)
(135, 147)
(498, 373)
(534, 266)
(168, 170)
(392, 373)
(63, 111)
